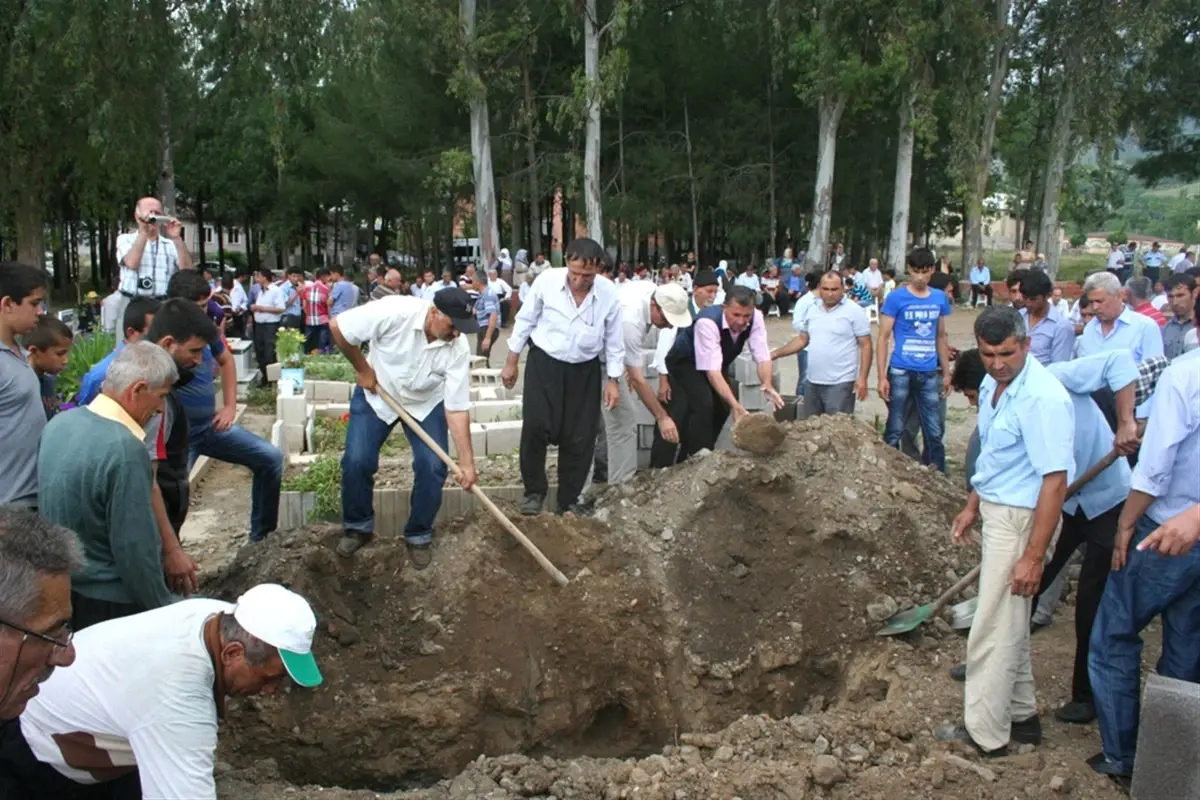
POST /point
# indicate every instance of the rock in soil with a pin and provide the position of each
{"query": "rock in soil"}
(758, 433)
(479, 677)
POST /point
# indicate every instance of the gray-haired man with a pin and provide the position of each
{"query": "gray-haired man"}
(95, 479)
(36, 562)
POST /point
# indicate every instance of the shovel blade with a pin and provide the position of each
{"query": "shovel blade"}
(964, 614)
(906, 620)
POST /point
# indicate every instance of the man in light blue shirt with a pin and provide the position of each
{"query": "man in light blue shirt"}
(1116, 326)
(1145, 584)
(1153, 259)
(1051, 335)
(1026, 460)
(343, 295)
(981, 282)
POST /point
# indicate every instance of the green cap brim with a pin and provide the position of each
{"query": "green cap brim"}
(302, 667)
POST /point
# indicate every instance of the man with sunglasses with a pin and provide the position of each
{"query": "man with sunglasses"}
(37, 559)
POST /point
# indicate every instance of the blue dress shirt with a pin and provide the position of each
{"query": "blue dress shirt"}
(1131, 331)
(980, 275)
(89, 385)
(1029, 434)
(1169, 460)
(1051, 340)
(1093, 436)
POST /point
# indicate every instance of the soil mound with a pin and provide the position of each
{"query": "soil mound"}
(729, 585)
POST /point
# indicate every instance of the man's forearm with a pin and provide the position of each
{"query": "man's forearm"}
(765, 375)
(1047, 513)
(185, 258)
(1123, 400)
(943, 348)
(794, 346)
(228, 380)
(1135, 506)
(639, 384)
(864, 356)
(716, 379)
(133, 259)
(459, 423)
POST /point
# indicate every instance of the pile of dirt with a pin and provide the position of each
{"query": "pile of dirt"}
(727, 586)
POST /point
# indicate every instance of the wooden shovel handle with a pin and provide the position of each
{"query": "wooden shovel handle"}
(415, 427)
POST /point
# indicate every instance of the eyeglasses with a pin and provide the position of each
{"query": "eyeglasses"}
(63, 643)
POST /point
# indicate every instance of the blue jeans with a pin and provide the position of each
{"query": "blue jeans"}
(1148, 585)
(239, 446)
(365, 435)
(802, 363)
(926, 389)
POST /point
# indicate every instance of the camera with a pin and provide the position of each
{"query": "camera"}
(158, 219)
(145, 284)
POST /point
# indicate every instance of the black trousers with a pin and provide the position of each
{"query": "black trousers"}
(176, 495)
(784, 301)
(698, 412)
(560, 406)
(977, 290)
(1097, 536)
(23, 777)
(480, 336)
(264, 344)
(505, 312)
(293, 322)
(87, 611)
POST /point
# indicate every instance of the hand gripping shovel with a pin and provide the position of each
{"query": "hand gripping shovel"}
(909, 619)
(541, 559)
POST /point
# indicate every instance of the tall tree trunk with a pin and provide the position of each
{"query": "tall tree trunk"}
(481, 143)
(687, 135)
(31, 234)
(592, 199)
(516, 219)
(977, 186)
(535, 222)
(166, 172)
(200, 229)
(94, 257)
(898, 242)
(772, 211)
(1060, 142)
(221, 246)
(829, 110)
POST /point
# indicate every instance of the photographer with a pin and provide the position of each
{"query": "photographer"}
(147, 259)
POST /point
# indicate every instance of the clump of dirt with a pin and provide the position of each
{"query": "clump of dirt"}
(726, 586)
(758, 433)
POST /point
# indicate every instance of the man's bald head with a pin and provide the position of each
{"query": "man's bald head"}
(148, 205)
(392, 279)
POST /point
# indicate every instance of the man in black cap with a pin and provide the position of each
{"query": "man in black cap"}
(704, 290)
(419, 358)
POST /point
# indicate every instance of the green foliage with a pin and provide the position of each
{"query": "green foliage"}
(289, 347)
(86, 352)
(1078, 240)
(330, 435)
(332, 367)
(1118, 237)
(261, 397)
(323, 478)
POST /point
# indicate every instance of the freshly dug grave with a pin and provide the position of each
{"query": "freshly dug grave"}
(729, 585)
(499, 470)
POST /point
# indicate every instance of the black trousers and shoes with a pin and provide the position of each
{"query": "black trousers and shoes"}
(560, 406)
(699, 414)
(264, 344)
(977, 290)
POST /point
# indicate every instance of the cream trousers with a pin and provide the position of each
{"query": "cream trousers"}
(999, 687)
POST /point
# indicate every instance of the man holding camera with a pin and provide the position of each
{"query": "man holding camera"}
(147, 259)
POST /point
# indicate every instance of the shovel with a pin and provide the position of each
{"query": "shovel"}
(415, 427)
(909, 619)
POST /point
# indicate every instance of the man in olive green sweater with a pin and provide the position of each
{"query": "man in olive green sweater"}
(95, 479)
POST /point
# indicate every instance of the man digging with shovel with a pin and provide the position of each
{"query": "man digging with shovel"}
(418, 357)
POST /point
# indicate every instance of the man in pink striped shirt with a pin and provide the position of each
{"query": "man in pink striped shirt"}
(698, 364)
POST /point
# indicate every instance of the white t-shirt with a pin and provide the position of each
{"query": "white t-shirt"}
(271, 297)
(873, 278)
(750, 281)
(140, 694)
(1159, 301)
(833, 340)
(1063, 307)
(500, 288)
(416, 372)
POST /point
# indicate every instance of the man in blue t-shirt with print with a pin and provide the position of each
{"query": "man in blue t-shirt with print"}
(919, 365)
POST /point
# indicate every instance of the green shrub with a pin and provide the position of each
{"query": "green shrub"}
(323, 478)
(86, 352)
(327, 368)
(289, 347)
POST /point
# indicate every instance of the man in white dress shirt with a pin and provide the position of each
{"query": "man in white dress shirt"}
(418, 356)
(268, 313)
(645, 310)
(571, 321)
(147, 259)
(503, 292)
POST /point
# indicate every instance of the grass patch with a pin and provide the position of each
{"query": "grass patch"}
(261, 398)
(327, 368)
(323, 478)
(1072, 266)
(330, 436)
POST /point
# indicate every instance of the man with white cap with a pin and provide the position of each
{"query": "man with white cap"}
(645, 309)
(141, 704)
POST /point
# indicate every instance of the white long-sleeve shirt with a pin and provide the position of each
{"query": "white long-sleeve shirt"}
(572, 333)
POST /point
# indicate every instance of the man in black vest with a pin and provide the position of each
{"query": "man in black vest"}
(697, 368)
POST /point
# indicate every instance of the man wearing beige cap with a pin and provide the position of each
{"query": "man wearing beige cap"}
(140, 706)
(645, 310)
